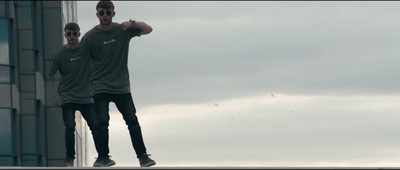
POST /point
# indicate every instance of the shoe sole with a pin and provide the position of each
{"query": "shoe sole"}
(148, 164)
(102, 165)
(111, 164)
(99, 165)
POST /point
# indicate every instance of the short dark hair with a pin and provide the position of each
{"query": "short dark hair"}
(71, 26)
(106, 4)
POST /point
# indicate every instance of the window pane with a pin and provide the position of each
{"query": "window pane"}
(4, 74)
(28, 134)
(5, 97)
(4, 49)
(5, 132)
(3, 9)
(29, 163)
(24, 17)
(6, 161)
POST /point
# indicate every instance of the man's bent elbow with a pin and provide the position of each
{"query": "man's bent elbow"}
(147, 31)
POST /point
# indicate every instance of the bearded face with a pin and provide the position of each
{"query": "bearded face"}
(105, 16)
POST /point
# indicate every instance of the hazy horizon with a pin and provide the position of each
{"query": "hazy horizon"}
(261, 83)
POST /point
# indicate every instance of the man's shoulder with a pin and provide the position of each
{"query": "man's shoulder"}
(60, 52)
(116, 24)
(91, 32)
(91, 35)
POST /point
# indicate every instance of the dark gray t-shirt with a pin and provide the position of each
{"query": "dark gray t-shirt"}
(75, 76)
(108, 51)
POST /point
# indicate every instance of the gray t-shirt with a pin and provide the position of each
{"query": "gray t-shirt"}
(75, 76)
(108, 51)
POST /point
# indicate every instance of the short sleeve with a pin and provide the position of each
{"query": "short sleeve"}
(135, 31)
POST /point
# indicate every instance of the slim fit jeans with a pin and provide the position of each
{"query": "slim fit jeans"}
(88, 113)
(125, 106)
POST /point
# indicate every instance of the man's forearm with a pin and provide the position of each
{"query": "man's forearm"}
(146, 29)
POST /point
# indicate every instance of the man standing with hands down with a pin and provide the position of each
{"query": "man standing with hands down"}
(107, 45)
(74, 91)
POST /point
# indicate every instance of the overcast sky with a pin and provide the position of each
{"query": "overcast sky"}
(261, 83)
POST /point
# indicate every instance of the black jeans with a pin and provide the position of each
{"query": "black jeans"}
(88, 113)
(126, 107)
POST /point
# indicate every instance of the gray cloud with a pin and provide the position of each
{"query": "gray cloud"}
(201, 53)
(329, 47)
(265, 130)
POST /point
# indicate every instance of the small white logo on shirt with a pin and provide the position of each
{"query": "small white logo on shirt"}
(75, 58)
(109, 41)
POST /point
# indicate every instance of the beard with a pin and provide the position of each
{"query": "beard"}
(72, 41)
(105, 22)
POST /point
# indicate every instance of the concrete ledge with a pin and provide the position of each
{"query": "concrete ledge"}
(205, 168)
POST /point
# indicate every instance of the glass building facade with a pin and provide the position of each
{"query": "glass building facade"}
(31, 126)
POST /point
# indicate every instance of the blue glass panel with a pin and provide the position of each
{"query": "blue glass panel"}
(6, 161)
(28, 134)
(5, 132)
(24, 3)
(5, 97)
(4, 74)
(3, 9)
(29, 163)
(4, 49)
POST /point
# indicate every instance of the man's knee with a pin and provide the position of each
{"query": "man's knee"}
(133, 123)
(93, 126)
(134, 128)
(70, 130)
(102, 126)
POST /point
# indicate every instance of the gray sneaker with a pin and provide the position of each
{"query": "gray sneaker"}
(145, 161)
(69, 162)
(103, 162)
